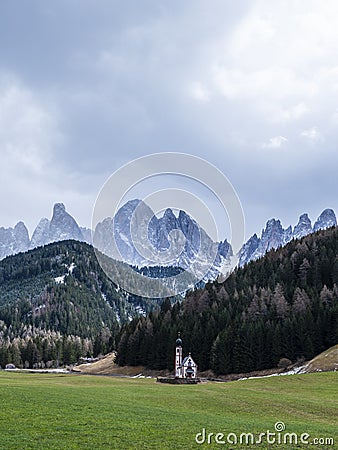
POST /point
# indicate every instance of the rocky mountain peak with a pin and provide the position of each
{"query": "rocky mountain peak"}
(41, 234)
(20, 226)
(304, 218)
(272, 226)
(248, 249)
(127, 212)
(13, 240)
(327, 219)
(59, 208)
(169, 215)
(273, 236)
(63, 226)
(21, 237)
(303, 227)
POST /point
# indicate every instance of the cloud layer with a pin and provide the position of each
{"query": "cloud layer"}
(85, 88)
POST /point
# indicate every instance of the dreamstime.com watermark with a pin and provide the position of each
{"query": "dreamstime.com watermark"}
(277, 437)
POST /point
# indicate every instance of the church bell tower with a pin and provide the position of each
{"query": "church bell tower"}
(178, 358)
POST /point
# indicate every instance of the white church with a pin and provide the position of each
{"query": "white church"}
(184, 367)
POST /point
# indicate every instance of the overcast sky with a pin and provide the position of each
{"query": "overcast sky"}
(86, 86)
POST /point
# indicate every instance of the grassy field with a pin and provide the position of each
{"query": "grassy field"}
(48, 411)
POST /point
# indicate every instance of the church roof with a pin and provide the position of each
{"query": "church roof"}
(185, 360)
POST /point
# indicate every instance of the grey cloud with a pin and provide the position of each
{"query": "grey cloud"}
(209, 78)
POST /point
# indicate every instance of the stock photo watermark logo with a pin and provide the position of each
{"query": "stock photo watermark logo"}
(277, 437)
(130, 234)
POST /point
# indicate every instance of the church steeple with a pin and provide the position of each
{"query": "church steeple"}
(178, 357)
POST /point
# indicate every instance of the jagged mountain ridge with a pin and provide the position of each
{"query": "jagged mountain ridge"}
(275, 236)
(169, 240)
(63, 226)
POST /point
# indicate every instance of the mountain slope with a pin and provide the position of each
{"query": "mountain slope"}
(66, 269)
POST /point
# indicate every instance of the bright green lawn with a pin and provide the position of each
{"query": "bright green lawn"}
(45, 411)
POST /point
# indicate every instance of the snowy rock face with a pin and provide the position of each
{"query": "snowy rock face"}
(123, 236)
(327, 219)
(303, 227)
(41, 234)
(163, 235)
(248, 250)
(87, 234)
(21, 237)
(138, 237)
(274, 236)
(13, 240)
(62, 226)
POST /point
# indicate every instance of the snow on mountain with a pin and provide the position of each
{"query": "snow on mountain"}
(248, 250)
(87, 234)
(327, 219)
(62, 226)
(275, 236)
(175, 240)
(41, 234)
(303, 227)
(21, 237)
(13, 240)
(138, 237)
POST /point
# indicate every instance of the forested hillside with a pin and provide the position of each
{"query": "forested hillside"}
(56, 304)
(284, 305)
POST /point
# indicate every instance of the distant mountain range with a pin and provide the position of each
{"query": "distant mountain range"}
(275, 236)
(61, 227)
(161, 232)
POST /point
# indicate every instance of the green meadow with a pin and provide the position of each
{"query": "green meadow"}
(52, 411)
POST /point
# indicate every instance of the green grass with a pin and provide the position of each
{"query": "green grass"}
(45, 411)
